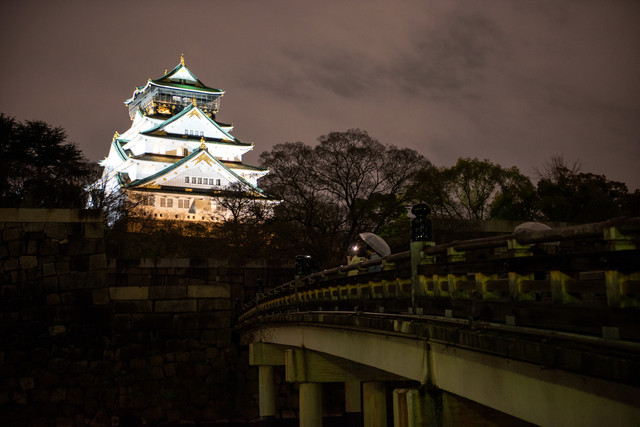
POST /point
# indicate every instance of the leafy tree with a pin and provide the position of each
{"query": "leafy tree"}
(567, 194)
(39, 168)
(477, 189)
(347, 184)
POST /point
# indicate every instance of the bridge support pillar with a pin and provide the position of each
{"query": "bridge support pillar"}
(374, 402)
(353, 403)
(310, 405)
(267, 392)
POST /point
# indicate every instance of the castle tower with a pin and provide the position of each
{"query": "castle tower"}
(176, 162)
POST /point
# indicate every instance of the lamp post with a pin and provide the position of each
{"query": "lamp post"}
(421, 233)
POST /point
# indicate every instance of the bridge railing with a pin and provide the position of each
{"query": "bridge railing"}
(583, 279)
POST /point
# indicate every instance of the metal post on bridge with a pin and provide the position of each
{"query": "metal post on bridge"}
(421, 235)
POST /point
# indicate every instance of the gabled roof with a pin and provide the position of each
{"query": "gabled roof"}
(117, 145)
(178, 78)
(158, 130)
(193, 157)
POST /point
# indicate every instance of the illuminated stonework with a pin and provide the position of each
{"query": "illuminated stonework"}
(176, 162)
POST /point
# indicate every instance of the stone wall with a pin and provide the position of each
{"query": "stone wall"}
(85, 341)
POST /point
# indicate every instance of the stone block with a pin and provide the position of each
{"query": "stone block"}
(93, 230)
(80, 263)
(28, 261)
(136, 306)
(26, 383)
(48, 269)
(63, 267)
(56, 231)
(58, 215)
(32, 215)
(84, 215)
(76, 280)
(173, 262)
(101, 296)
(208, 337)
(129, 293)
(9, 292)
(10, 264)
(218, 290)
(97, 262)
(223, 338)
(214, 304)
(53, 299)
(48, 247)
(167, 292)
(58, 395)
(169, 370)
(9, 234)
(176, 306)
(138, 280)
(15, 248)
(9, 215)
(33, 227)
(50, 284)
(32, 247)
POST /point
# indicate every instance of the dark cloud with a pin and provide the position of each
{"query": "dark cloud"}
(514, 81)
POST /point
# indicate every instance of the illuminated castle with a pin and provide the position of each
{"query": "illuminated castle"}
(176, 162)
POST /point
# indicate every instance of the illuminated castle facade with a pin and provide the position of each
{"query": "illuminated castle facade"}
(176, 162)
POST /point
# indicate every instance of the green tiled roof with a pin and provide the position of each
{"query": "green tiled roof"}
(166, 170)
(232, 139)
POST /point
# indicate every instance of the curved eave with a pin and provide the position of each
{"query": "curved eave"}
(231, 138)
(188, 88)
(168, 169)
(244, 166)
(117, 144)
(182, 137)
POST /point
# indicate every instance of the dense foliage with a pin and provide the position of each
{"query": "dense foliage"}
(39, 168)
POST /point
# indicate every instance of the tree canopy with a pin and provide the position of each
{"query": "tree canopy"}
(39, 168)
(476, 189)
(565, 193)
(347, 184)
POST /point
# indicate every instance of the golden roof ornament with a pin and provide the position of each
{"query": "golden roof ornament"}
(195, 103)
(182, 58)
(115, 135)
(202, 144)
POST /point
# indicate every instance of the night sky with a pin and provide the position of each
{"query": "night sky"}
(512, 81)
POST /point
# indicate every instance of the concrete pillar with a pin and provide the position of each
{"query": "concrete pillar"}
(310, 405)
(374, 404)
(353, 403)
(266, 389)
(400, 410)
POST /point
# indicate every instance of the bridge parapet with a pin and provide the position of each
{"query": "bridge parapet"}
(582, 279)
(542, 326)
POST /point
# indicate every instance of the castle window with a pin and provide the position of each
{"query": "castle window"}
(183, 204)
(186, 179)
(199, 180)
(210, 181)
(148, 201)
(166, 202)
(217, 182)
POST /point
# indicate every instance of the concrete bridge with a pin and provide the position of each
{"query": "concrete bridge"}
(536, 327)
